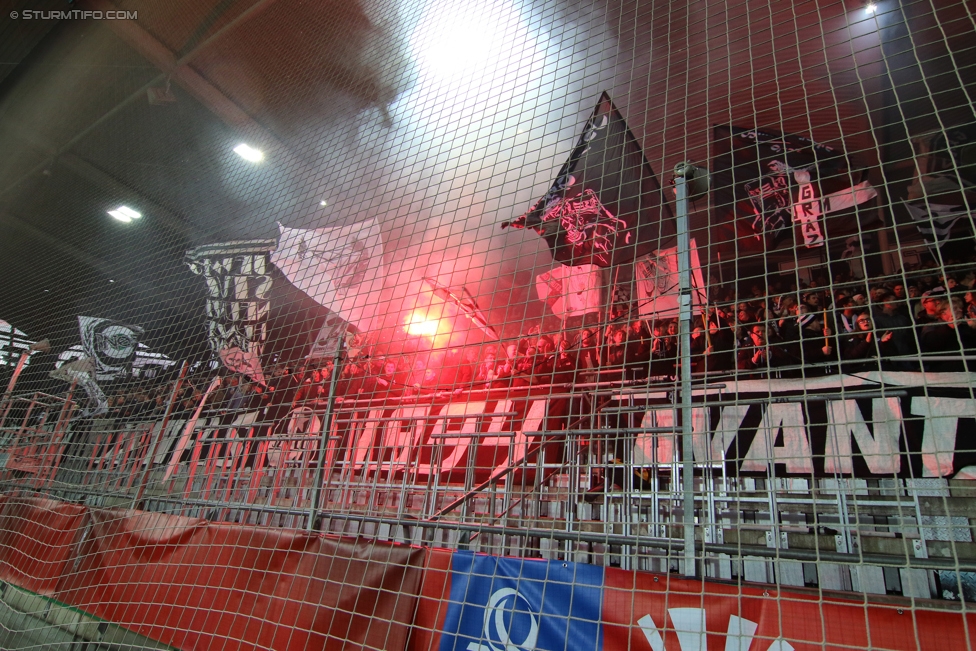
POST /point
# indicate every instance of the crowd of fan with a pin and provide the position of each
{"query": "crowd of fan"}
(776, 332)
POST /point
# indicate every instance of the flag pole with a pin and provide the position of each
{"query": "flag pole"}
(683, 173)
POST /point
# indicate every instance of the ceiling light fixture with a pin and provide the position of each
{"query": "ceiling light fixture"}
(871, 8)
(125, 214)
(323, 203)
(249, 153)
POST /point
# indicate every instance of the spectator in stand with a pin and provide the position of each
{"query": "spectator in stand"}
(311, 390)
(486, 369)
(588, 346)
(719, 355)
(543, 367)
(859, 349)
(545, 345)
(876, 292)
(699, 343)
(744, 318)
(664, 348)
(671, 340)
(949, 336)
(638, 350)
(386, 384)
(930, 307)
(758, 355)
(813, 301)
(504, 370)
(468, 369)
(565, 364)
(616, 353)
(898, 289)
(638, 343)
(969, 308)
(815, 348)
(912, 300)
(890, 317)
(524, 366)
(351, 380)
(844, 315)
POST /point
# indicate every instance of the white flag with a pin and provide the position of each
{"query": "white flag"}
(657, 281)
(571, 291)
(340, 268)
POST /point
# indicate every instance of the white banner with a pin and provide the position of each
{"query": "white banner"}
(806, 211)
(657, 282)
(571, 291)
(327, 340)
(340, 268)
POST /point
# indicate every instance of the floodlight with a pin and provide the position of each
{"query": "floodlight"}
(125, 214)
(249, 153)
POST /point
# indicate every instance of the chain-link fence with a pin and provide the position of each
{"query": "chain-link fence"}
(499, 326)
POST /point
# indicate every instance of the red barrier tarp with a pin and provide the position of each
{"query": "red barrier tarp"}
(37, 540)
(643, 610)
(199, 585)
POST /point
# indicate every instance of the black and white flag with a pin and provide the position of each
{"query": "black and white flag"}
(771, 182)
(945, 184)
(935, 220)
(111, 345)
(605, 206)
(238, 301)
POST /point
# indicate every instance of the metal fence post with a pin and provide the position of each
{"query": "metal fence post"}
(682, 172)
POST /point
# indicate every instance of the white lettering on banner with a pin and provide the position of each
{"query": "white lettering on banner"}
(470, 426)
(806, 211)
(909, 435)
(450, 424)
(531, 423)
(727, 430)
(878, 439)
(939, 436)
(690, 629)
(375, 442)
(795, 453)
(644, 452)
(880, 451)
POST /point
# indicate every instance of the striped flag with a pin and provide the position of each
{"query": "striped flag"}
(935, 220)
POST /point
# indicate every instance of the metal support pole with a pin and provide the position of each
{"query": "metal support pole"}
(324, 439)
(682, 174)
